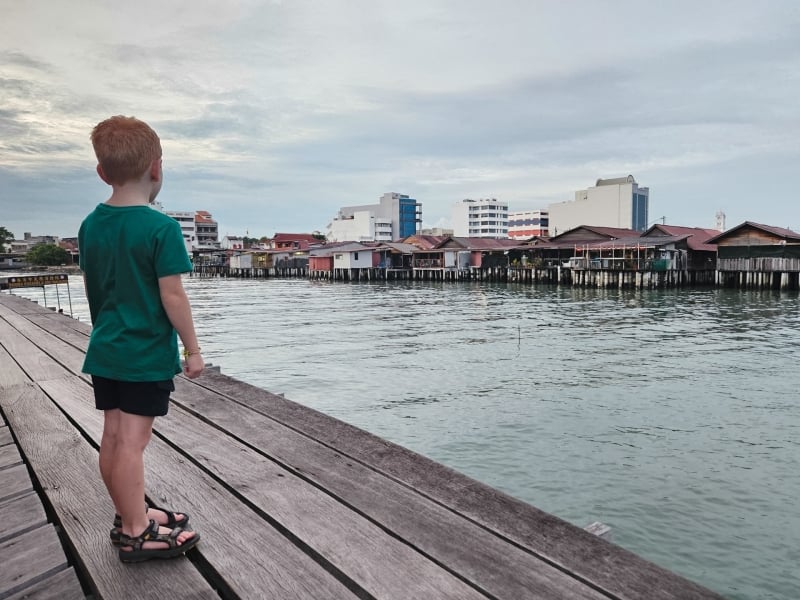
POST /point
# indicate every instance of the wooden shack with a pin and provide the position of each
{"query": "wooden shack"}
(753, 255)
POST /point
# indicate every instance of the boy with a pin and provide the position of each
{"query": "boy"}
(132, 258)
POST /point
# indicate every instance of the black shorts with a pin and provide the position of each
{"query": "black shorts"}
(145, 398)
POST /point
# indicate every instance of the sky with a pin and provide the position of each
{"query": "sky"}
(273, 114)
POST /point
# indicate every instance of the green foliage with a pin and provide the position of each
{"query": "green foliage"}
(6, 237)
(48, 254)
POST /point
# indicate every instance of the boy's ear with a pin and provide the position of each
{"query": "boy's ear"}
(101, 174)
(155, 170)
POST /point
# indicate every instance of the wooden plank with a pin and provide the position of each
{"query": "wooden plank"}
(48, 345)
(30, 558)
(82, 327)
(605, 565)
(10, 372)
(489, 562)
(5, 436)
(21, 514)
(16, 482)
(9, 456)
(66, 467)
(34, 362)
(59, 325)
(248, 554)
(21, 305)
(64, 585)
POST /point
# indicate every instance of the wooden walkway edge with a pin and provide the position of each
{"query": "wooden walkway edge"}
(291, 503)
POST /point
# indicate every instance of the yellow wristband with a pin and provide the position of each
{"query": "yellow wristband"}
(188, 353)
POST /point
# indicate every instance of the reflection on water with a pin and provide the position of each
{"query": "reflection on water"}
(669, 415)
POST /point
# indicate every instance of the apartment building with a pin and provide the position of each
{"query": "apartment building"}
(199, 229)
(486, 218)
(525, 224)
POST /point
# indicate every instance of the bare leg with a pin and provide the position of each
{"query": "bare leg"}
(108, 449)
(127, 471)
(127, 476)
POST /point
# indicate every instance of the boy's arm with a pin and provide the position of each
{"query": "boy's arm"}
(179, 312)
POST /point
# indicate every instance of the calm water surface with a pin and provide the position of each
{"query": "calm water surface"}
(671, 416)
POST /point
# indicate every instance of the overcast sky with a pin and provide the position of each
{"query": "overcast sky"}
(273, 114)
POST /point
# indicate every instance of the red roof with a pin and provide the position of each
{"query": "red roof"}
(294, 237)
(698, 236)
(202, 216)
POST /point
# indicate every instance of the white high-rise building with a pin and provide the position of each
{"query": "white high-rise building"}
(486, 218)
(616, 202)
(395, 217)
(359, 226)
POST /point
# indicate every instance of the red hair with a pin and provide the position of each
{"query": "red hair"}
(125, 148)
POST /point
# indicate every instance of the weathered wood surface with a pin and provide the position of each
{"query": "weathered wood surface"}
(291, 503)
(33, 564)
(63, 585)
(30, 558)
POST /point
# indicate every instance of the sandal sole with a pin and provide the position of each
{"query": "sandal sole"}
(133, 556)
(114, 533)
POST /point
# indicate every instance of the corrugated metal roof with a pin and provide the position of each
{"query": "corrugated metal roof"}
(634, 242)
(468, 243)
(609, 232)
(294, 237)
(698, 236)
(425, 241)
(781, 232)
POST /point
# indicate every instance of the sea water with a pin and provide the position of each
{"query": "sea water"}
(669, 415)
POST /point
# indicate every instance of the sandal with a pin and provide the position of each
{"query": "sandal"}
(171, 523)
(138, 554)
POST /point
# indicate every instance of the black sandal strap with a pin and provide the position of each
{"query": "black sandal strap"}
(149, 534)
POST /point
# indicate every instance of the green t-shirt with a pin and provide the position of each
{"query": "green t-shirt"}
(124, 250)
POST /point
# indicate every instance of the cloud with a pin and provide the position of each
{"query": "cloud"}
(274, 114)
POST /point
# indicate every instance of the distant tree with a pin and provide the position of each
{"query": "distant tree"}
(6, 237)
(319, 236)
(48, 254)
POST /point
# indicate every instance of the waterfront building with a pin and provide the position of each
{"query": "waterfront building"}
(293, 241)
(394, 217)
(483, 218)
(206, 230)
(232, 242)
(525, 224)
(759, 256)
(619, 203)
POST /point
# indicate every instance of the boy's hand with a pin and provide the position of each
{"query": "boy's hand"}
(193, 366)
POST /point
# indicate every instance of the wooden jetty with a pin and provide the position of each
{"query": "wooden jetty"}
(291, 504)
